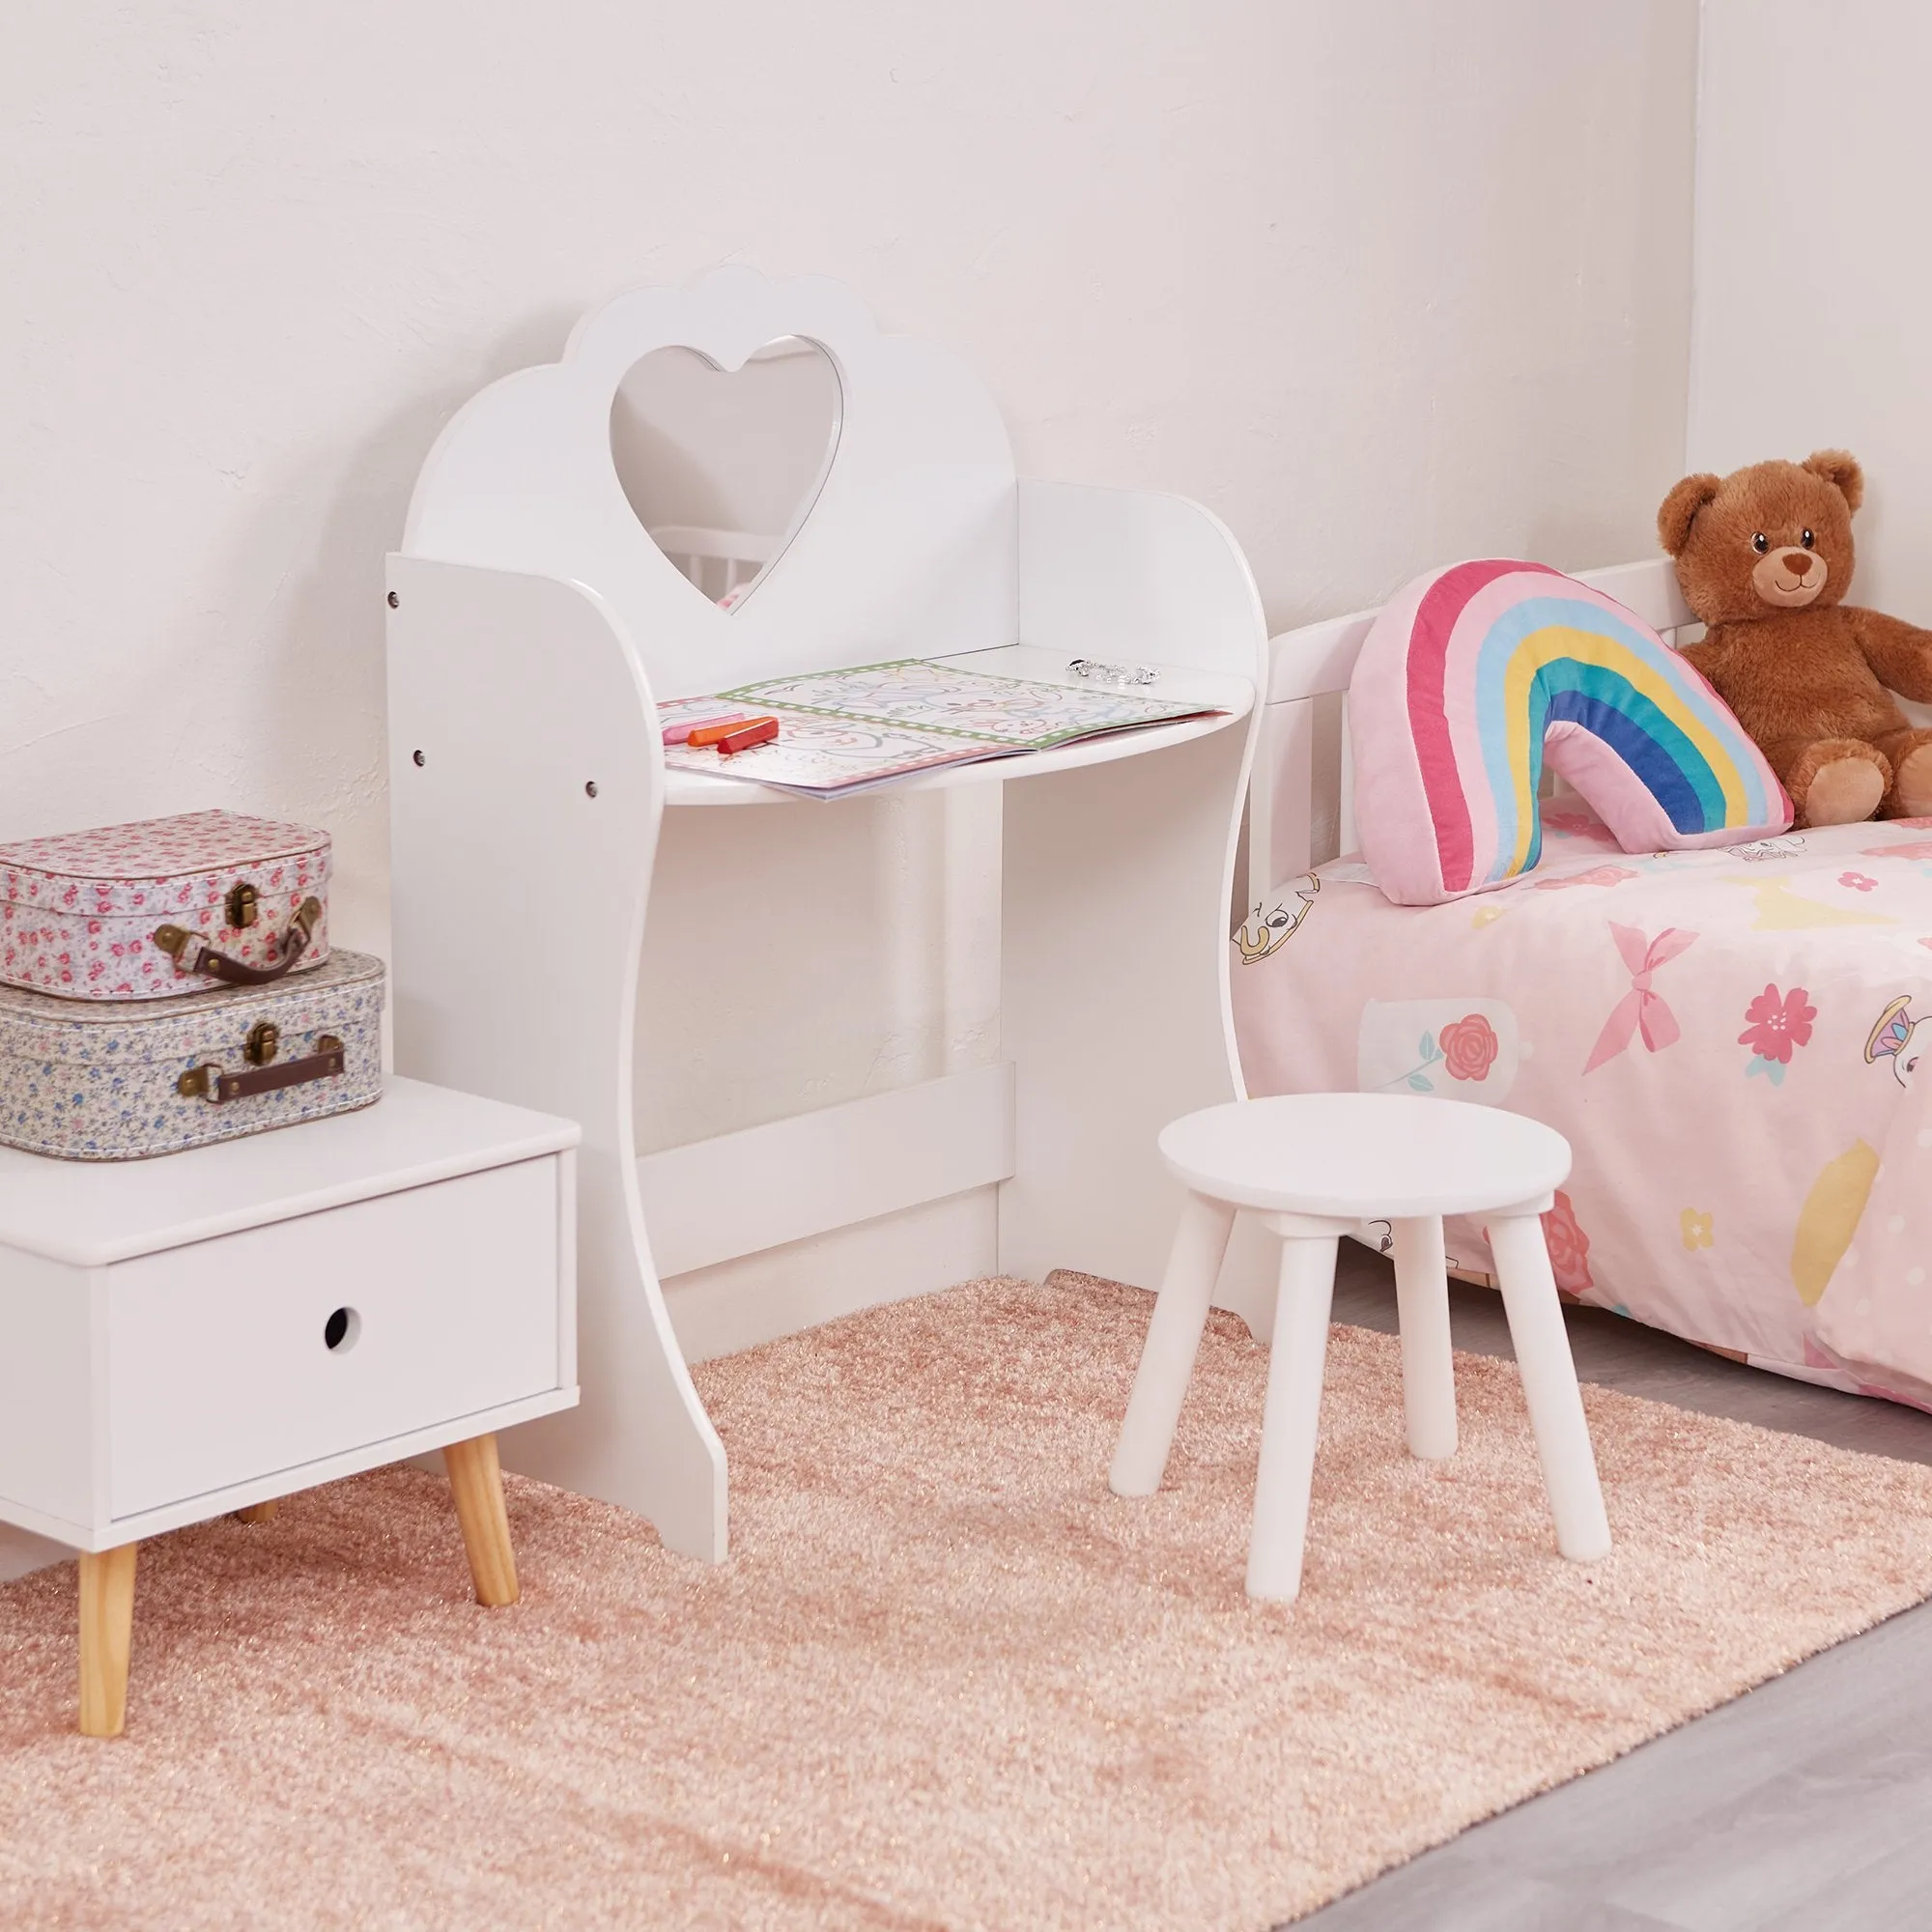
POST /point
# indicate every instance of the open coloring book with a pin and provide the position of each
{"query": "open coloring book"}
(845, 730)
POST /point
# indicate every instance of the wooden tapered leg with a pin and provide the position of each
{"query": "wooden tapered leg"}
(106, 1627)
(257, 1513)
(476, 1482)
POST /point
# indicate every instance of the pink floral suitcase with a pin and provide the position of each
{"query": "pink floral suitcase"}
(163, 907)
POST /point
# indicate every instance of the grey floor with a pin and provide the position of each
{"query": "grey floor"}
(1803, 1806)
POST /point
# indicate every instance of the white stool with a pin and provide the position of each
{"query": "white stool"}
(1316, 1166)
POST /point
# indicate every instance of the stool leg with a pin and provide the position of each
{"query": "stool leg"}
(1428, 1368)
(1292, 1416)
(1549, 1386)
(106, 1628)
(476, 1483)
(1174, 1336)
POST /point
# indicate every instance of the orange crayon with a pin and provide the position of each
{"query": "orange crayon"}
(719, 728)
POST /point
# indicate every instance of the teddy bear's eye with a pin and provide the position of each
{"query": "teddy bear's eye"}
(1806, 539)
(1760, 543)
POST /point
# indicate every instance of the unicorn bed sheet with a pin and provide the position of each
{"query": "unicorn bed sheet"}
(1738, 1044)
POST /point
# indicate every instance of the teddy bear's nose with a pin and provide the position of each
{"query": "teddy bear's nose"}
(1798, 562)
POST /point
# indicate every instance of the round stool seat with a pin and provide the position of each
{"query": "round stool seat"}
(1365, 1156)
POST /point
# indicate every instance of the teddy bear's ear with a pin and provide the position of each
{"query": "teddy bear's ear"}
(1842, 467)
(1679, 510)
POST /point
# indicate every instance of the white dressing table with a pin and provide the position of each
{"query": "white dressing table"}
(531, 624)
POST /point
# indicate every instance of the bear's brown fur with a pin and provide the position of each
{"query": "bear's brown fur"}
(1764, 559)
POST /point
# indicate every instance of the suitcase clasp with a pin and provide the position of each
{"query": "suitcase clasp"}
(242, 905)
(179, 945)
(264, 1038)
(191, 952)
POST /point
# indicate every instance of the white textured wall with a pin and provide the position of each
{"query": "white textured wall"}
(1382, 283)
(1813, 278)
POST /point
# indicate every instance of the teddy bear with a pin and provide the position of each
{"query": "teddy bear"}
(1765, 557)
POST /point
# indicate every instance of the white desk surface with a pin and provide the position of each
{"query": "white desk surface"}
(90, 1213)
(1235, 697)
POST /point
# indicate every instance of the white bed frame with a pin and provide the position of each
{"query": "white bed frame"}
(531, 622)
(717, 562)
(1300, 797)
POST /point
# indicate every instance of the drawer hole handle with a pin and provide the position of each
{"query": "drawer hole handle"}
(340, 1331)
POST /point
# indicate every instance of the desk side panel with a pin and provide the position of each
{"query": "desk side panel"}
(539, 790)
(1136, 576)
(1114, 999)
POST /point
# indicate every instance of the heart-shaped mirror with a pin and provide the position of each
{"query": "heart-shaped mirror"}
(722, 467)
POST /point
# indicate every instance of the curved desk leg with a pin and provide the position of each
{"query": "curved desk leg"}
(1114, 997)
(522, 846)
(640, 1436)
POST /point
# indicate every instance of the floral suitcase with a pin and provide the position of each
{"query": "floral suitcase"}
(163, 907)
(94, 1080)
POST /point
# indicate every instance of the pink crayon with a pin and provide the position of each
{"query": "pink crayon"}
(680, 732)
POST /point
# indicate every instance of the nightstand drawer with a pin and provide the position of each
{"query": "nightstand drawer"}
(233, 1358)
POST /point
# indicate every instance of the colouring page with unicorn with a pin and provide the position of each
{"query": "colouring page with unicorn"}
(920, 694)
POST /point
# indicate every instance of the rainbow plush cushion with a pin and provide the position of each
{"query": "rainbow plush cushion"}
(1476, 676)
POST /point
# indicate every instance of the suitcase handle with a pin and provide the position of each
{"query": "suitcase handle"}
(210, 1083)
(191, 952)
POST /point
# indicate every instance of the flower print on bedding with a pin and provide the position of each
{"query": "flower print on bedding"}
(1696, 1229)
(1775, 1024)
(1568, 1246)
(1469, 1047)
(1458, 1049)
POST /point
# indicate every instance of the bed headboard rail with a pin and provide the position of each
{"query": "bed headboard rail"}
(1301, 795)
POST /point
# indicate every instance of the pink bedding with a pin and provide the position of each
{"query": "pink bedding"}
(1730, 1039)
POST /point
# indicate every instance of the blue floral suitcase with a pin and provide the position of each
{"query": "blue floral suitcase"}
(123, 1080)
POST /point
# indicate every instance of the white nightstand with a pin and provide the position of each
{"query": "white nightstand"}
(209, 1331)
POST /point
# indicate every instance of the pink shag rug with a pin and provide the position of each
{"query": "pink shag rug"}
(946, 1679)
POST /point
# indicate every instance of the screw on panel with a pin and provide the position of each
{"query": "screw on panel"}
(417, 757)
(395, 601)
(590, 788)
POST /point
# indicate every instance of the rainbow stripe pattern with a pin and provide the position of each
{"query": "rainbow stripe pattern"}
(1477, 677)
